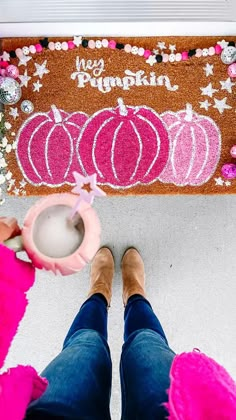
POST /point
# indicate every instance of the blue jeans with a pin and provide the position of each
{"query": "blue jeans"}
(80, 376)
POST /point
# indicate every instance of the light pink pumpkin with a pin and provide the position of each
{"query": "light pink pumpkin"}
(46, 147)
(125, 145)
(195, 148)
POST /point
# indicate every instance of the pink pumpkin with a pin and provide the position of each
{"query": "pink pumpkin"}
(195, 148)
(46, 147)
(125, 146)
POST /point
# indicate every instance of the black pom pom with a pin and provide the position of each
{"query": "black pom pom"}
(44, 42)
(12, 54)
(159, 58)
(85, 43)
(191, 53)
(231, 44)
(120, 46)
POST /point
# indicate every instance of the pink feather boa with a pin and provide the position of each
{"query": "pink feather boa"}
(21, 385)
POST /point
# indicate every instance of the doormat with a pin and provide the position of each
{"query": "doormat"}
(148, 115)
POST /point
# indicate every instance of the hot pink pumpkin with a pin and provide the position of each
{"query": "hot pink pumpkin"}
(195, 148)
(46, 147)
(125, 146)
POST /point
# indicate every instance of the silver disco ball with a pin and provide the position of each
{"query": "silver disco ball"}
(10, 91)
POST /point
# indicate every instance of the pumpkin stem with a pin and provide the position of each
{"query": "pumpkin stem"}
(189, 113)
(56, 114)
(123, 109)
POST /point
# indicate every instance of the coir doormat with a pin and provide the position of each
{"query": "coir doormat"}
(147, 115)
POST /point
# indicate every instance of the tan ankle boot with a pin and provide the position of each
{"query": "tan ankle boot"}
(133, 274)
(101, 275)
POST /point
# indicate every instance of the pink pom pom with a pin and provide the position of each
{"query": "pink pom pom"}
(51, 46)
(112, 44)
(229, 171)
(64, 46)
(3, 72)
(165, 58)
(141, 51)
(12, 71)
(38, 48)
(32, 49)
(105, 43)
(198, 52)
(178, 57)
(71, 45)
(233, 151)
(4, 64)
(19, 52)
(211, 51)
(91, 44)
(218, 49)
(147, 53)
(127, 48)
(232, 70)
(184, 55)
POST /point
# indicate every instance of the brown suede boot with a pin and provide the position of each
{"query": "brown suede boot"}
(101, 274)
(133, 274)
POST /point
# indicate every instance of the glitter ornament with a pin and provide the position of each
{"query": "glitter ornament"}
(228, 55)
(27, 107)
(232, 70)
(10, 91)
(12, 71)
(229, 171)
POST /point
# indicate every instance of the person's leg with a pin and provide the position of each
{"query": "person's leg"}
(80, 376)
(146, 357)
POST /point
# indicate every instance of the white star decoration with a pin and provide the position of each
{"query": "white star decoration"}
(219, 181)
(5, 56)
(221, 105)
(208, 69)
(223, 44)
(205, 105)
(161, 45)
(24, 60)
(77, 40)
(14, 113)
(227, 85)
(24, 78)
(208, 90)
(23, 183)
(151, 60)
(37, 86)
(41, 69)
(227, 183)
(172, 48)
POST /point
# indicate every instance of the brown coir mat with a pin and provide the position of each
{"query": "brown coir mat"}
(145, 127)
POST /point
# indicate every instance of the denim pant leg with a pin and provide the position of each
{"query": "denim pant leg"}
(80, 376)
(145, 363)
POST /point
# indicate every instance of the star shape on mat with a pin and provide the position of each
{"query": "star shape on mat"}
(24, 60)
(205, 104)
(227, 85)
(11, 184)
(219, 181)
(37, 86)
(223, 44)
(77, 40)
(161, 45)
(208, 69)
(84, 195)
(151, 60)
(24, 78)
(23, 183)
(14, 113)
(227, 183)
(16, 191)
(221, 105)
(172, 48)
(5, 56)
(41, 69)
(208, 90)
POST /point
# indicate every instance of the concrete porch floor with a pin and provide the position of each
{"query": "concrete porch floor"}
(188, 244)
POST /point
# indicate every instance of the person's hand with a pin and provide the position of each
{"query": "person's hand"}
(9, 228)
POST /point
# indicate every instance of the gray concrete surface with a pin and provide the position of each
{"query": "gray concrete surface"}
(188, 244)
